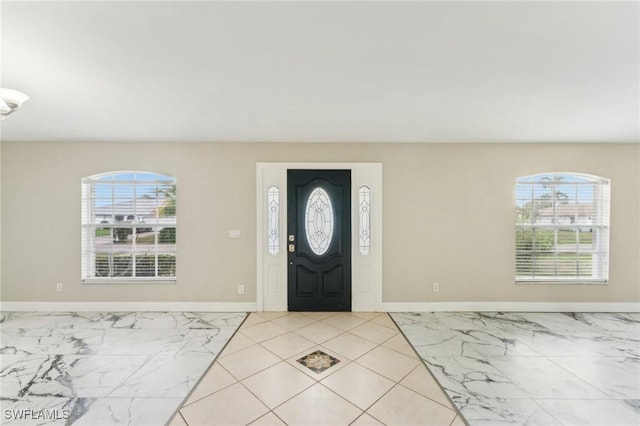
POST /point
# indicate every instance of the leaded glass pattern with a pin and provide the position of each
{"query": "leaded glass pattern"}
(364, 208)
(319, 221)
(273, 221)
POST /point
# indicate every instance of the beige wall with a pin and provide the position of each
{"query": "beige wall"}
(448, 217)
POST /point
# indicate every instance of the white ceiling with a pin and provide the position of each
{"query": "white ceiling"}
(332, 71)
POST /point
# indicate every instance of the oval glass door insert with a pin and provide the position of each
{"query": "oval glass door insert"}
(319, 221)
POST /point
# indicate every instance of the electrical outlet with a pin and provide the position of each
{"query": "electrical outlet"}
(59, 287)
(240, 289)
(436, 287)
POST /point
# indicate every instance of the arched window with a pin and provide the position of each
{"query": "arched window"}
(128, 227)
(562, 228)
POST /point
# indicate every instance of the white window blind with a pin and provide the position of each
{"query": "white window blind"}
(562, 228)
(129, 227)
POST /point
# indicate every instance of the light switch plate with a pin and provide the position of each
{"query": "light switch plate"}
(234, 233)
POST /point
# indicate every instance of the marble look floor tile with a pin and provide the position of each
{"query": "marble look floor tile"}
(634, 404)
(405, 407)
(25, 411)
(164, 376)
(485, 360)
(627, 322)
(214, 379)
(277, 384)
(613, 344)
(373, 332)
(139, 320)
(117, 320)
(41, 341)
(419, 380)
(137, 341)
(464, 321)
(248, 361)
(349, 345)
(387, 362)
(81, 375)
(303, 408)
(287, 345)
(233, 405)
(591, 412)
(616, 377)
(425, 320)
(492, 411)
(209, 320)
(129, 411)
(463, 377)
(198, 342)
(94, 411)
(358, 385)
(318, 332)
(541, 378)
(474, 343)
(50, 320)
(17, 372)
(572, 322)
(105, 367)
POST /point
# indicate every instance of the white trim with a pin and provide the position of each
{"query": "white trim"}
(251, 307)
(127, 307)
(510, 307)
(366, 271)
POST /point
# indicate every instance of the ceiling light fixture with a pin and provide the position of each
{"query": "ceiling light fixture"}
(10, 100)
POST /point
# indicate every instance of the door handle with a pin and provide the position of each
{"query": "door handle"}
(292, 248)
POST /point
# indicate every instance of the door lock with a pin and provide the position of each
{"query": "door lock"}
(292, 248)
(292, 238)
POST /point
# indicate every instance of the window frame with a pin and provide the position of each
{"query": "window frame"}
(131, 222)
(597, 224)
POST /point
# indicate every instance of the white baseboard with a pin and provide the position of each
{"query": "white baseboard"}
(127, 307)
(509, 307)
(252, 307)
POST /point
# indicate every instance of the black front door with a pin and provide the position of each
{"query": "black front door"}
(319, 240)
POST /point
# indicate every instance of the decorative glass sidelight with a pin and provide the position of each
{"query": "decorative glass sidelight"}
(273, 219)
(364, 210)
(319, 221)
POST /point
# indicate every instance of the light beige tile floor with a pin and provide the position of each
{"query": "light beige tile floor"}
(258, 380)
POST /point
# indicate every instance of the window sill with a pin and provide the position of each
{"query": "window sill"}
(562, 282)
(171, 280)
